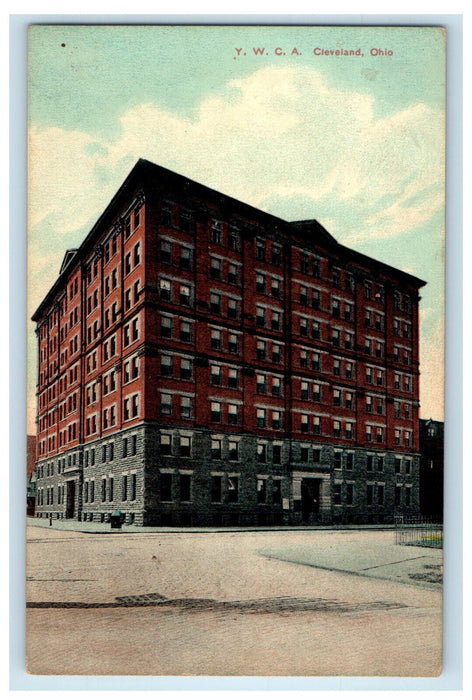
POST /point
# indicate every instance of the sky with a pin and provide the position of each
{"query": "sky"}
(259, 113)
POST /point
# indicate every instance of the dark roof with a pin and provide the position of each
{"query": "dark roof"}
(145, 171)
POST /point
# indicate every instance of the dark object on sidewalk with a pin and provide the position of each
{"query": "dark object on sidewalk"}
(116, 519)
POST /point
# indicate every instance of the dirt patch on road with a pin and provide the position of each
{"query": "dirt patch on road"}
(281, 604)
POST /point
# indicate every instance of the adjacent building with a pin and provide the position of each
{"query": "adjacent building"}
(432, 469)
(30, 474)
(202, 362)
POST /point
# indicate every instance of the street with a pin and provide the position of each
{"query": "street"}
(232, 603)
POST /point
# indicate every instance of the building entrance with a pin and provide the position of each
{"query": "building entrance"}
(70, 503)
(310, 492)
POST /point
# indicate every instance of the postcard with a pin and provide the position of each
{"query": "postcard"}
(236, 350)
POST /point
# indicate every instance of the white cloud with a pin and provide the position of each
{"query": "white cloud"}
(280, 133)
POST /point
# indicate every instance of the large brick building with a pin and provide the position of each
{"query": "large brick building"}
(204, 362)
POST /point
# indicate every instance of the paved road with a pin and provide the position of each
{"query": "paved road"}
(249, 603)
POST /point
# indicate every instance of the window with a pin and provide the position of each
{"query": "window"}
(337, 428)
(185, 295)
(216, 339)
(185, 369)
(260, 283)
(216, 449)
(216, 489)
(262, 452)
(336, 308)
(260, 250)
(261, 417)
(261, 350)
(380, 494)
(276, 420)
(233, 414)
(185, 487)
(233, 450)
(276, 255)
(275, 288)
(337, 494)
(166, 404)
(304, 422)
(349, 494)
(338, 460)
(166, 444)
(166, 487)
(166, 252)
(233, 344)
(215, 303)
(216, 412)
(261, 383)
(216, 266)
(232, 273)
(185, 446)
(185, 407)
(261, 490)
(349, 461)
(166, 327)
(166, 365)
(276, 321)
(185, 258)
(233, 238)
(276, 386)
(233, 308)
(124, 487)
(233, 378)
(370, 494)
(215, 231)
(277, 454)
(185, 331)
(261, 316)
(303, 326)
(215, 372)
(233, 489)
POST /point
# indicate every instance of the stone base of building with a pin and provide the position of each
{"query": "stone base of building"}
(214, 485)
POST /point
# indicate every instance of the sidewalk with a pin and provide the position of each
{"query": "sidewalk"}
(400, 563)
(104, 528)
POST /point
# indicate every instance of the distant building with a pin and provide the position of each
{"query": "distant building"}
(203, 362)
(432, 468)
(30, 474)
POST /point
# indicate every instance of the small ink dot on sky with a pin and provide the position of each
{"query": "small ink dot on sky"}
(62, 44)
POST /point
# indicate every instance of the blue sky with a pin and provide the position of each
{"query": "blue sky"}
(356, 142)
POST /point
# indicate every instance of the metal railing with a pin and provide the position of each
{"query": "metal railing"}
(418, 531)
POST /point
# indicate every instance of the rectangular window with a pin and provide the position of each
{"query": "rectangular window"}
(166, 445)
(216, 489)
(124, 487)
(216, 449)
(261, 490)
(166, 487)
(185, 487)
(233, 489)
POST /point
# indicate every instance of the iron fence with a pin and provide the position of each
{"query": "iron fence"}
(418, 531)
